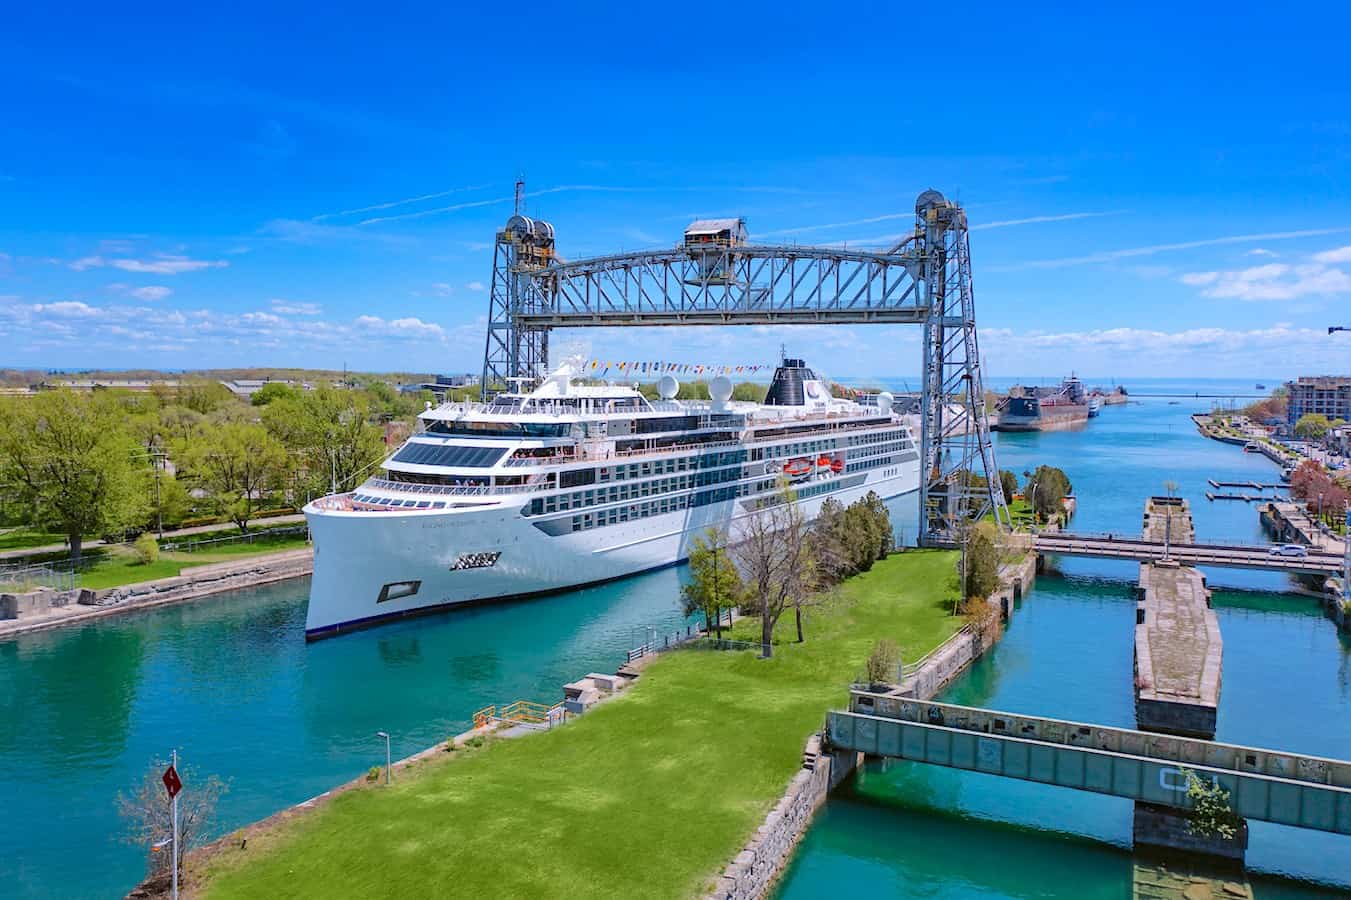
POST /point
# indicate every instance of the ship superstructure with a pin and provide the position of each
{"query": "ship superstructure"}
(571, 484)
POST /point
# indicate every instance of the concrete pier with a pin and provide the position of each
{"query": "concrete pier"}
(1178, 652)
(1178, 659)
(1178, 649)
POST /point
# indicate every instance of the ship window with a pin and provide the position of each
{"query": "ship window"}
(398, 590)
(449, 455)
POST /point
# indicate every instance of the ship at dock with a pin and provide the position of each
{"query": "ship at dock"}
(567, 484)
(1066, 405)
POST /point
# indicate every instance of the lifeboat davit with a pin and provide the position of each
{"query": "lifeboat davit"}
(796, 468)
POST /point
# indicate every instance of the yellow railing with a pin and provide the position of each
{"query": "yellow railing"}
(523, 711)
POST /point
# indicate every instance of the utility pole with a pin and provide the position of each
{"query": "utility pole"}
(157, 459)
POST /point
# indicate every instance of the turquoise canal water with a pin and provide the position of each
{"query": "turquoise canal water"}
(232, 684)
(909, 830)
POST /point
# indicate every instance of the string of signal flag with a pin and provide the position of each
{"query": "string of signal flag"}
(658, 367)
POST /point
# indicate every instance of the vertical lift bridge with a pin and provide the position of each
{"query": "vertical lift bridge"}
(716, 277)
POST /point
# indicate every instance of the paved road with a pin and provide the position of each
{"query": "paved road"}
(177, 532)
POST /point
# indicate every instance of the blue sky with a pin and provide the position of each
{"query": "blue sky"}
(1153, 191)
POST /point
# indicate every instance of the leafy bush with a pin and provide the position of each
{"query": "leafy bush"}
(882, 661)
(373, 774)
(146, 548)
(1211, 814)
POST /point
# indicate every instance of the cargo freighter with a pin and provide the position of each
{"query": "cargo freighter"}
(1044, 408)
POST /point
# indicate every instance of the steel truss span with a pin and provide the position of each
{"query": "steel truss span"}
(925, 280)
(744, 285)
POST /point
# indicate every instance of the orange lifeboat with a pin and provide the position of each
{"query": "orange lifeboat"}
(837, 465)
(796, 468)
(823, 462)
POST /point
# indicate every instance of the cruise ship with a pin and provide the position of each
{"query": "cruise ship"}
(567, 484)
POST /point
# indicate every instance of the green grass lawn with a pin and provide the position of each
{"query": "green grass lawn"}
(23, 538)
(649, 795)
(116, 566)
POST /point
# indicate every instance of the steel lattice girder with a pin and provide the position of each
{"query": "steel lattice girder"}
(738, 285)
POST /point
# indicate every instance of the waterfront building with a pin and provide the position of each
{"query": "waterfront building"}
(1326, 394)
(570, 484)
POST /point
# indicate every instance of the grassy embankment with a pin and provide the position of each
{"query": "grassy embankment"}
(649, 795)
(115, 565)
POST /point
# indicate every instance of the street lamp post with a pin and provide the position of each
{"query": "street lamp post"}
(385, 735)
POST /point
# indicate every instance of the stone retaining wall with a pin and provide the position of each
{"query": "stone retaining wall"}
(755, 868)
(37, 610)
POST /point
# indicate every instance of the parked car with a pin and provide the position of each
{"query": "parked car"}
(1298, 550)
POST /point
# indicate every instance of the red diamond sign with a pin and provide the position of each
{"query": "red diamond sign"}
(172, 783)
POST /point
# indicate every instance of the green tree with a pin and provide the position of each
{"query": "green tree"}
(273, 390)
(1047, 489)
(330, 432)
(715, 584)
(867, 529)
(71, 459)
(981, 561)
(1009, 482)
(205, 397)
(1312, 426)
(236, 463)
(750, 391)
(830, 539)
(177, 423)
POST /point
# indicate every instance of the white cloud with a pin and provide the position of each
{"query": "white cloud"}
(1339, 255)
(151, 292)
(163, 264)
(292, 308)
(1261, 251)
(1037, 220)
(67, 309)
(393, 203)
(261, 318)
(1272, 281)
(442, 289)
(409, 327)
(475, 286)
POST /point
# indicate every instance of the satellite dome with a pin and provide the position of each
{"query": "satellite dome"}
(720, 389)
(668, 387)
(884, 401)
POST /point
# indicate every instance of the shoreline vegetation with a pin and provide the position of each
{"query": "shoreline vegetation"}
(643, 795)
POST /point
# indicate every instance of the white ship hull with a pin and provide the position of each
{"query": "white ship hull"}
(357, 554)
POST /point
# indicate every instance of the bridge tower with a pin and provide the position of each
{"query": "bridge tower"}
(512, 350)
(955, 445)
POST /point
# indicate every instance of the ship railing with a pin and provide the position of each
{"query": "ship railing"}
(472, 490)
